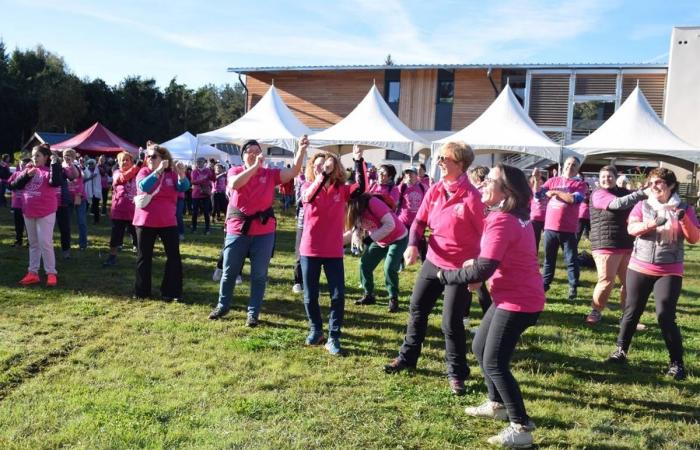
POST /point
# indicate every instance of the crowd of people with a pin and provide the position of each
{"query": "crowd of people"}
(474, 230)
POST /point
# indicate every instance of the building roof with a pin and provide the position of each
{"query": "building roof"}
(244, 70)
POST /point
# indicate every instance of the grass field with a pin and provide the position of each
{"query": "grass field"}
(85, 366)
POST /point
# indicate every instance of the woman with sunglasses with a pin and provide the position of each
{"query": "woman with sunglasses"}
(660, 224)
(509, 259)
(38, 184)
(251, 224)
(325, 196)
(157, 220)
(453, 210)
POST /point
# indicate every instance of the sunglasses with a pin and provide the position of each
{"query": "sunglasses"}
(153, 156)
(442, 158)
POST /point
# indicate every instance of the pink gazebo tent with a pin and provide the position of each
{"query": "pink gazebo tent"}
(97, 140)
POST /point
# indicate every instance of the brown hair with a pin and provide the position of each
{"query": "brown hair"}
(124, 155)
(163, 152)
(667, 175)
(338, 176)
(518, 194)
(478, 174)
(460, 152)
(356, 207)
(45, 150)
(612, 169)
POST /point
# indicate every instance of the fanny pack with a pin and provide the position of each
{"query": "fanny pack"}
(142, 200)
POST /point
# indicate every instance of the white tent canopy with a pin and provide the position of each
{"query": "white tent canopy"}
(636, 130)
(504, 126)
(184, 148)
(374, 124)
(270, 122)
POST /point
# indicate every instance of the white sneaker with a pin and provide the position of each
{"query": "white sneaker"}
(488, 409)
(239, 280)
(514, 436)
(465, 322)
(297, 289)
(216, 276)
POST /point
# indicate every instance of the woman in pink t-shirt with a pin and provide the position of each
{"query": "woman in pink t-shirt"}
(453, 211)
(122, 212)
(39, 184)
(538, 204)
(369, 214)
(163, 180)
(324, 196)
(385, 185)
(250, 225)
(509, 261)
(660, 224)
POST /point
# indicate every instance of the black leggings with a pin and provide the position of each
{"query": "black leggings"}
(220, 205)
(116, 238)
(537, 227)
(63, 216)
(666, 290)
(493, 347)
(203, 205)
(19, 224)
(457, 301)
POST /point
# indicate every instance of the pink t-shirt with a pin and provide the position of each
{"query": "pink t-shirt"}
(254, 196)
(584, 211)
(201, 182)
(658, 269)
(562, 216)
(410, 202)
(123, 193)
(324, 221)
(76, 187)
(16, 195)
(456, 223)
(220, 184)
(160, 212)
(38, 198)
(390, 190)
(372, 219)
(517, 284)
(538, 208)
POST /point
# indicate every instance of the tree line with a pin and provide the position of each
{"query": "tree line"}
(38, 92)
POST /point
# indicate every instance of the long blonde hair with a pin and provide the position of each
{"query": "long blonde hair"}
(338, 176)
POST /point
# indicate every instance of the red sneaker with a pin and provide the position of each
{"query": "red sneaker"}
(51, 280)
(30, 278)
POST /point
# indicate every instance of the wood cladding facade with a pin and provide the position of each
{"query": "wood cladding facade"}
(417, 98)
(319, 99)
(653, 87)
(473, 95)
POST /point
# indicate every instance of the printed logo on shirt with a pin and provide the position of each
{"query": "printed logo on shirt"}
(458, 211)
(169, 182)
(336, 198)
(262, 179)
(523, 223)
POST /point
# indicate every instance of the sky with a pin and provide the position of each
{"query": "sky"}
(197, 40)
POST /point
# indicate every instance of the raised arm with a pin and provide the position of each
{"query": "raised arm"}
(288, 174)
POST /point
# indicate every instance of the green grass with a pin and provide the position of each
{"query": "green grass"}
(85, 366)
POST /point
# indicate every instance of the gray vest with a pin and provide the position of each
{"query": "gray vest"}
(649, 249)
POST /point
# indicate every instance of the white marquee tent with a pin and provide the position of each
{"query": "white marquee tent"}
(184, 148)
(371, 123)
(504, 127)
(636, 131)
(270, 122)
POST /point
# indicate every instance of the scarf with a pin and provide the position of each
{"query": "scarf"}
(668, 232)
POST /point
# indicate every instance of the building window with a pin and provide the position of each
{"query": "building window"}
(444, 99)
(446, 92)
(588, 116)
(279, 151)
(392, 89)
(392, 155)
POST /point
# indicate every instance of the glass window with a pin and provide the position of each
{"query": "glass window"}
(278, 151)
(396, 156)
(446, 91)
(590, 115)
(394, 92)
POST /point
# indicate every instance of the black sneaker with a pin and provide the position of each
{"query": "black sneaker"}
(251, 322)
(546, 287)
(397, 365)
(217, 313)
(676, 371)
(457, 386)
(393, 305)
(368, 299)
(619, 356)
(573, 293)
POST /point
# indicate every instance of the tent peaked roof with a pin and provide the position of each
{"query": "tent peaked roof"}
(373, 123)
(636, 129)
(270, 122)
(505, 126)
(97, 139)
(183, 148)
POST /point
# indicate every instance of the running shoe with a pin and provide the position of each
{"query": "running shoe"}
(30, 278)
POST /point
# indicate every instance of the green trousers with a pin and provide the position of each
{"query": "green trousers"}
(392, 255)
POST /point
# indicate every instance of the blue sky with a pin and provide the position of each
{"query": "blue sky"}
(197, 40)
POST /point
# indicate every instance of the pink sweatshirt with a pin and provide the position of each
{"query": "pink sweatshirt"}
(123, 192)
(254, 196)
(517, 284)
(562, 216)
(372, 218)
(160, 212)
(201, 182)
(323, 219)
(410, 202)
(456, 223)
(38, 198)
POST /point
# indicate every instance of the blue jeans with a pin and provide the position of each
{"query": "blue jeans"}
(335, 275)
(236, 248)
(178, 214)
(81, 215)
(552, 241)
